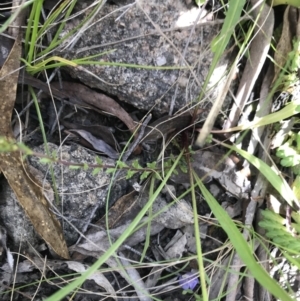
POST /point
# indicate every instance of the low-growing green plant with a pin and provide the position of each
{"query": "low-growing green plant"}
(291, 77)
(283, 235)
(289, 154)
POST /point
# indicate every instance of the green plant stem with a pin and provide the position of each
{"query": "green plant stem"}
(36, 11)
(40, 118)
(197, 235)
(150, 217)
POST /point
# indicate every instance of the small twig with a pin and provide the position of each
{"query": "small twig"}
(263, 110)
(258, 191)
(214, 112)
(263, 257)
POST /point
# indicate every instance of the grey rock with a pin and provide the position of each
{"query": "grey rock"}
(78, 190)
(130, 32)
(78, 193)
(20, 231)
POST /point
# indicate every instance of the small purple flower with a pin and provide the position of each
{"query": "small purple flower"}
(188, 280)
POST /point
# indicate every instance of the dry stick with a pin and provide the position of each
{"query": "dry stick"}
(124, 159)
(258, 52)
(262, 184)
(263, 257)
(218, 279)
(214, 112)
(133, 146)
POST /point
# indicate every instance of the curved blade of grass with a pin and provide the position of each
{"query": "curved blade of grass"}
(63, 23)
(241, 246)
(32, 69)
(42, 65)
(289, 110)
(274, 179)
(76, 283)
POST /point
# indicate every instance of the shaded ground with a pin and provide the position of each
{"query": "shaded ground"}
(84, 145)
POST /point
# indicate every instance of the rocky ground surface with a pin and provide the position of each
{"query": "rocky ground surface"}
(96, 112)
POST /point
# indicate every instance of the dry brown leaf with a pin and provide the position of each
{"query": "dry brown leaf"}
(16, 171)
(98, 144)
(97, 100)
(80, 94)
(125, 208)
(99, 131)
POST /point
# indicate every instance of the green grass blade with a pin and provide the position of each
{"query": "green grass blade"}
(241, 246)
(51, 19)
(201, 267)
(65, 37)
(233, 14)
(60, 62)
(288, 111)
(36, 11)
(219, 44)
(295, 3)
(150, 218)
(41, 123)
